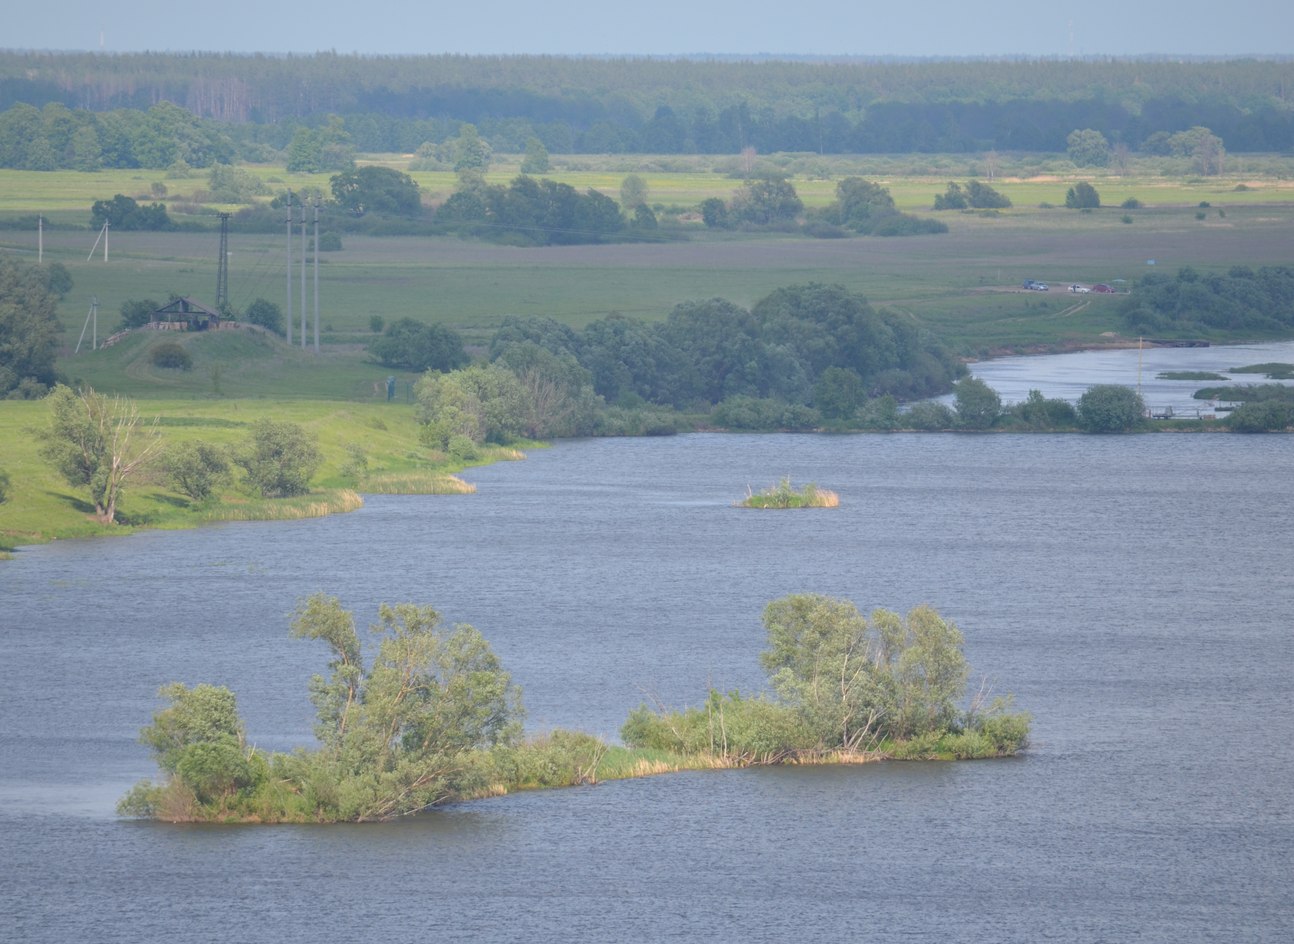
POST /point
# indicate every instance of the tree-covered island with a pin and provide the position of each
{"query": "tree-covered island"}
(432, 717)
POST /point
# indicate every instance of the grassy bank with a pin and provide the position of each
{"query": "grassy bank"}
(42, 507)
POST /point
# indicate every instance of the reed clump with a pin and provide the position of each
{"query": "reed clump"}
(285, 509)
(786, 495)
(417, 483)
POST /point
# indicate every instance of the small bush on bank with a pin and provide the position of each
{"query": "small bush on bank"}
(171, 356)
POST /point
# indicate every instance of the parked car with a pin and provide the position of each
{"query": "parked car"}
(1039, 286)
(1079, 289)
(1103, 288)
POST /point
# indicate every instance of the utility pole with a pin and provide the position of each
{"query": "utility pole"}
(288, 310)
(222, 270)
(92, 316)
(303, 275)
(40, 239)
(316, 261)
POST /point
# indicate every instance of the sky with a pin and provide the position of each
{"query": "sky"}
(663, 27)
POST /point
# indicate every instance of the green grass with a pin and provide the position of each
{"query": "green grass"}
(963, 284)
(42, 507)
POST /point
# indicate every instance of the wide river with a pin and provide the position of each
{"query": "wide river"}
(1134, 593)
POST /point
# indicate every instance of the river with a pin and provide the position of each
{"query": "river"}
(1067, 376)
(1134, 594)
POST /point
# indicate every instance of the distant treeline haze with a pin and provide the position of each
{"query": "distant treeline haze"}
(83, 110)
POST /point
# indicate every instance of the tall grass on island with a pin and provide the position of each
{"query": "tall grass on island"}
(434, 718)
(785, 495)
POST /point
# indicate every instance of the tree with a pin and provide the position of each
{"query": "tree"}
(279, 458)
(95, 442)
(265, 313)
(377, 189)
(483, 403)
(714, 213)
(122, 212)
(396, 735)
(412, 345)
(766, 201)
(1203, 147)
(954, 198)
(983, 197)
(1110, 408)
(978, 405)
(4, 486)
(853, 682)
(536, 157)
(137, 312)
(1082, 196)
(470, 151)
(633, 192)
(197, 469)
(29, 327)
(1088, 148)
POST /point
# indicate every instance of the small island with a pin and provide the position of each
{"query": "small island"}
(785, 495)
(434, 718)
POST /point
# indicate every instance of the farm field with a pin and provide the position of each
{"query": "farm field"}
(964, 284)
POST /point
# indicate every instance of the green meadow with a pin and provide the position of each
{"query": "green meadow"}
(964, 284)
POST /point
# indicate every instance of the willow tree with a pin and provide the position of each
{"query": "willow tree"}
(97, 442)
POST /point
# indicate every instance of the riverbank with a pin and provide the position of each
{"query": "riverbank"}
(366, 448)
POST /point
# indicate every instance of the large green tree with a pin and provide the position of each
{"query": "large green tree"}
(1088, 148)
(396, 734)
(978, 405)
(378, 190)
(29, 327)
(1111, 408)
(766, 201)
(414, 345)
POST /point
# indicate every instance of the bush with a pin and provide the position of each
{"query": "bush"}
(1082, 196)
(1037, 412)
(1110, 408)
(279, 458)
(1132, 203)
(197, 469)
(266, 314)
(329, 242)
(929, 415)
(1262, 416)
(171, 356)
(4, 486)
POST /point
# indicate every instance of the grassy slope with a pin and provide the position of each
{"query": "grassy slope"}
(42, 506)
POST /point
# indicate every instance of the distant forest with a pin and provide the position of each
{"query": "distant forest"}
(250, 106)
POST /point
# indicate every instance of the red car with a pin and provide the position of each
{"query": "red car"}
(1102, 288)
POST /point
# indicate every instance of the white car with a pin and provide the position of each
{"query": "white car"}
(1079, 289)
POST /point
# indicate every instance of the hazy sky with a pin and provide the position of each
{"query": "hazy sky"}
(662, 27)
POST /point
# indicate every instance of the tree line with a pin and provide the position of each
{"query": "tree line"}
(802, 356)
(1242, 299)
(118, 110)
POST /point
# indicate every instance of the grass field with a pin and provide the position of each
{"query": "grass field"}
(947, 280)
